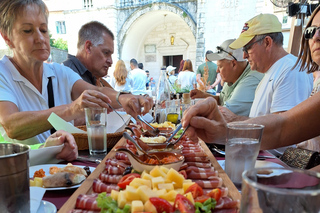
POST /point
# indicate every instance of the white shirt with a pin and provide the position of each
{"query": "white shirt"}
(186, 79)
(281, 88)
(126, 87)
(18, 90)
(139, 81)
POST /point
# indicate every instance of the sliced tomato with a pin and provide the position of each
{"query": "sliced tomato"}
(201, 198)
(161, 205)
(195, 190)
(183, 204)
(126, 180)
(215, 193)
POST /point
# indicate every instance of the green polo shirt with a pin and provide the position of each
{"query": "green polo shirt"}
(239, 96)
(212, 71)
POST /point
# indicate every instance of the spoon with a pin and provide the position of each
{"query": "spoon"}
(153, 130)
(171, 145)
(127, 136)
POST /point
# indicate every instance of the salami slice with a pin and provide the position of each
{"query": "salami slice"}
(98, 186)
(113, 170)
(197, 159)
(199, 164)
(197, 169)
(107, 178)
(201, 175)
(87, 202)
(209, 184)
(227, 203)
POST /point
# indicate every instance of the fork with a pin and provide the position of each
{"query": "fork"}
(117, 113)
(171, 145)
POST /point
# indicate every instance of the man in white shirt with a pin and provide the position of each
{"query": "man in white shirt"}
(139, 78)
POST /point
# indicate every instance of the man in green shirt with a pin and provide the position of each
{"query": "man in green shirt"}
(240, 81)
(213, 77)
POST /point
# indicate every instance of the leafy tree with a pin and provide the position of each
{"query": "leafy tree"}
(60, 44)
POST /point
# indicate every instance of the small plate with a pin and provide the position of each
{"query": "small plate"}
(46, 168)
(46, 207)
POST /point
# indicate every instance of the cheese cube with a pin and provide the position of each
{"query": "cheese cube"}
(164, 169)
(149, 207)
(156, 172)
(170, 196)
(145, 193)
(38, 181)
(190, 197)
(161, 192)
(179, 191)
(166, 186)
(131, 193)
(114, 194)
(122, 201)
(187, 185)
(140, 182)
(32, 183)
(146, 176)
(157, 180)
(137, 206)
(174, 176)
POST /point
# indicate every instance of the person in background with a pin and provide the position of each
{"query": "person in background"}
(152, 84)
(148, 79)
(139, 78)
(282, 88)
(213, 78)
(180, 67)
(140, 65)
(93, 59)
(187, 78)
(30, 90)
(121, 80)
(241, 82)
(171, 73)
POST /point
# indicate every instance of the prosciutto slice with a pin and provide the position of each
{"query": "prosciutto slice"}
(82, 211)
(87, 202)
(209, 184)
(199, 164)
(107, 178)
(202, 175)
(113, 170)
(227, 203)
(98, 186)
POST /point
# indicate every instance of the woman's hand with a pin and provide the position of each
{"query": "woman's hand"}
(206, 122)
(70, 150)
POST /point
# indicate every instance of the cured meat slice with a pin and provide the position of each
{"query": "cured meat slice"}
(201, 175)
(197, 169)
(113, 170)
(199, 164)
(122, 156)
(107, 178)
(227, 203)
(209, 184)
(225, 210)
(193, 154)
(98, 186)
(196, 159)
(82, 211)
(87, 202)
(117, 163)
(224, 191)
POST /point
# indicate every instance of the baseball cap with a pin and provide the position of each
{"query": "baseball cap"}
(225, 52)
(258, 25)
(170, 68)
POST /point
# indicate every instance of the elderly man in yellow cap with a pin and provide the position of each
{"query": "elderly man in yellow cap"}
(283, 86)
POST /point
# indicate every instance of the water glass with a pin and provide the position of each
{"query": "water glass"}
(280, 190)
(242, 149)
(96, 122)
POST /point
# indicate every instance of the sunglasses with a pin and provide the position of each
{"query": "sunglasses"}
(220, 50)
(247, 47)
(309, 32)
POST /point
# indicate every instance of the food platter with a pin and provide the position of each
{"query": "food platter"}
(46, 168)
(86, 187)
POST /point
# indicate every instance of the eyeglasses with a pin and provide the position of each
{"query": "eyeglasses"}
(310, 31)
(247, 47)
(220, 50)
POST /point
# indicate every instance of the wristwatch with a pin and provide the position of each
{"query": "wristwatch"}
(120, 93)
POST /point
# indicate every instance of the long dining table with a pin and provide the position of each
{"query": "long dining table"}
(64, 200)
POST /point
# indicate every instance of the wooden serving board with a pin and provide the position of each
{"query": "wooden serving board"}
(86, 186)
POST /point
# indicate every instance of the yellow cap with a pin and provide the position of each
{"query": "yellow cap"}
(260, 24)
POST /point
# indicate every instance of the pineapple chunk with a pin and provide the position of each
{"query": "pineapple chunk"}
(131, 193)
(157, 180)
(187, 185)
(140, 182)
(122, 201)
(170, 196)
(145, 193)
(114, 194)
(149, 207)
(156, 172)
(190, 197)
(174, 176)
(166, 186)
(137, 206)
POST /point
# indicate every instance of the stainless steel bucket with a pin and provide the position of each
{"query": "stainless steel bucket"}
(14, 178)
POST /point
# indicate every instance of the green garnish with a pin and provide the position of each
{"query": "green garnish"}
(206, 206)
(108, 205)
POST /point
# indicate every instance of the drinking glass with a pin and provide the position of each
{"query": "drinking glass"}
(96, 122)
(242, 149)
(280, 190)
(173, 111)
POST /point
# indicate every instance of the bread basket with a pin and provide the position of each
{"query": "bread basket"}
(82, 138)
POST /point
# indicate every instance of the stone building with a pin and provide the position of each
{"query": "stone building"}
(159, 32)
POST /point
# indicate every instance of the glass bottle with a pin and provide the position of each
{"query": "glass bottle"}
(162, 94)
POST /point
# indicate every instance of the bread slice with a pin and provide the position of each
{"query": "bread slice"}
(73, 169)
(62, 179)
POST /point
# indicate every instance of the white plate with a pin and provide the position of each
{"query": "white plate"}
(46, 168)
(47, 207)
(259, 164)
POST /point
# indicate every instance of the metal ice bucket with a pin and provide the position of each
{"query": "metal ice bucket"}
(14, 178)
